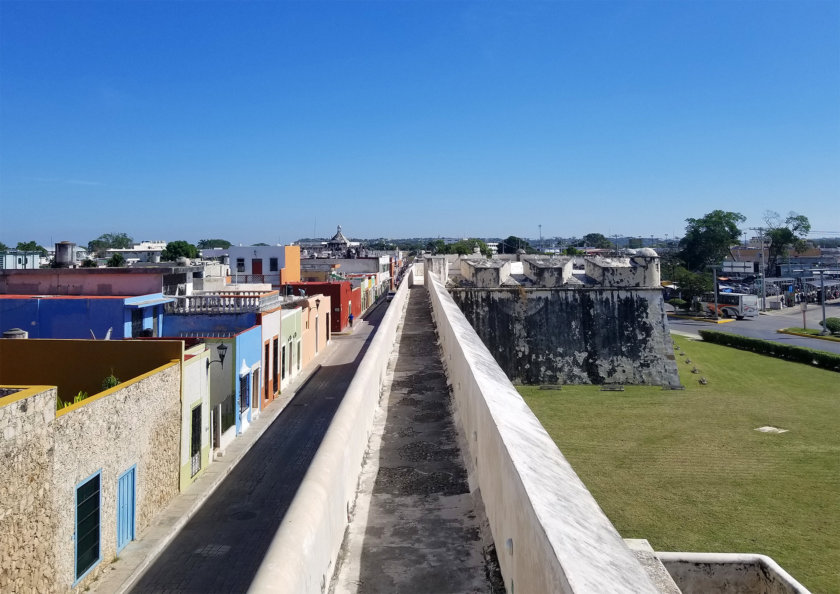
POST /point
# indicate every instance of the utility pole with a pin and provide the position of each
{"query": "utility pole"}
(763, 271)
(715, 281)
(822, 299)
(541, 243)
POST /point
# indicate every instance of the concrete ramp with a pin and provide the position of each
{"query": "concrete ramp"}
(416, 526)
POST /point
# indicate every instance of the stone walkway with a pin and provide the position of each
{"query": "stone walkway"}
(416, 525)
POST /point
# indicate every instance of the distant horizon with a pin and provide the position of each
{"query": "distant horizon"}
(275, 120)
(534, 241)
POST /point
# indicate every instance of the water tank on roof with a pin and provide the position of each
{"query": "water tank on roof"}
(65, 254)
(15, 333)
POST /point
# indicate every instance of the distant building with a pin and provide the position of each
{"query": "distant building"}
(274, 265)
(17, 260)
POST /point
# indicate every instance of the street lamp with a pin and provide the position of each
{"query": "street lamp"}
(222, 350)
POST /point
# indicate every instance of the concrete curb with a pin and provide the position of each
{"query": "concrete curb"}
(803, 335)
(199, 491)
(696, 319)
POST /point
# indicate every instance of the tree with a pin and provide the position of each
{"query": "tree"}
(437, 246)
(206, 244)
(467, 246)
(513, 244)
(115, 261)
(31, 246)
(692, 284)
(596, 240)
(572, 251)
(178, 249)
(119, 241)
(784, 235)
(3, 247)
(88, 263)
(261, 244)
(708, 239)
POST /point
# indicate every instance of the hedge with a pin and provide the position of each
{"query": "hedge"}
(787, 352)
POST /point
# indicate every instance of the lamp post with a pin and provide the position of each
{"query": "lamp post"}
(222, 350)
(715, 281)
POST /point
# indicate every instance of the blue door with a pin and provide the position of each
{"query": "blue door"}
(125, 508)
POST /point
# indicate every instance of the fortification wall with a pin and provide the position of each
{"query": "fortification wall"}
(574, 335)
(549, 532)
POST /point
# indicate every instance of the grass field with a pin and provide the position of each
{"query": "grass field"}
(687, 470)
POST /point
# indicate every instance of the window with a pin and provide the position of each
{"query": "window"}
(240, 265)
(136, 322)
(244, 395)
(273, 265)
(275, 359)
(283, 364)
(87, 525)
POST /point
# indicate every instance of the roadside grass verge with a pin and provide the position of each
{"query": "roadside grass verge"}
(687, 470)
(809, 332)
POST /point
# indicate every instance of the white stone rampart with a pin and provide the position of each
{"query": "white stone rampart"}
(550, 534)
(302, 556)
(698, 573)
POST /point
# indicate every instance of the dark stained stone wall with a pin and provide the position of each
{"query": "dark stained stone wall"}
(574, 336)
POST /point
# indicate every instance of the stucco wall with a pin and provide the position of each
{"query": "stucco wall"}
(549, 532)
(46, 454)
(574, 336)
(27, 514)
(309, 327)
(82, 281)
(73, 317)
(81, 364)
(202, 324)
(137, 423)
(196, 391)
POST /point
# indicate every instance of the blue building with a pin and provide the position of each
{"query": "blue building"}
(83, 316)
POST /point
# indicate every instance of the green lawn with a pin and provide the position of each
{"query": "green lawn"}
(687, 471)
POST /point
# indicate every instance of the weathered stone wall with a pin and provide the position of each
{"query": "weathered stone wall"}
(27, 517)
(574, 336)
(135, 424)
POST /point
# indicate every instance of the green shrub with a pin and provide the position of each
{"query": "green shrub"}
(832, 325)
(678, 303)
(110, 381)
(59, 403)
(787, 352)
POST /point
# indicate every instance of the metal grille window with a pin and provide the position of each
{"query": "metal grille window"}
(87, 525)
(240, 265)
(244, 396)
(195, 441)
(273, 264)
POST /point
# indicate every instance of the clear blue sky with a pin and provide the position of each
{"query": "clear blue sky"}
(258, 121)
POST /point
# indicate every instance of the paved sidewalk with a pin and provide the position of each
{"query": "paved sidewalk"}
(195, 564)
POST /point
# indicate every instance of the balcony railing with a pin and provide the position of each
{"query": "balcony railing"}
(218, 303)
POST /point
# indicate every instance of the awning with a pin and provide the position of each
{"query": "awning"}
(150, 302)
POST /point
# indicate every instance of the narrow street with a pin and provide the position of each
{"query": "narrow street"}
(416, 528)
(221, 547)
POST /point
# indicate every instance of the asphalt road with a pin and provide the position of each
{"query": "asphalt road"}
(221, 548)
(766, 326)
